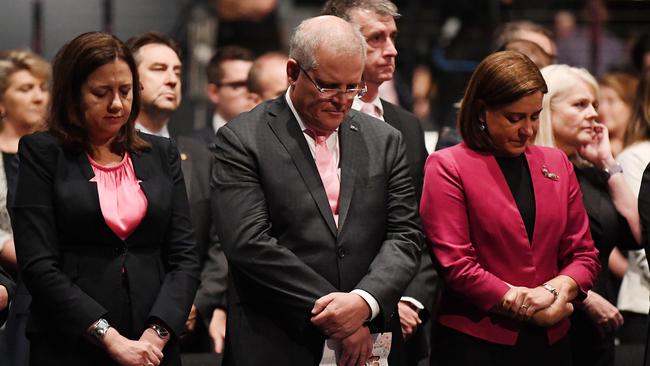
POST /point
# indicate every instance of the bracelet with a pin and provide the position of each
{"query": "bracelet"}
(611, 170)
(551, 289)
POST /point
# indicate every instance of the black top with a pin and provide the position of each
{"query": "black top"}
(517, 174)
(11, 167)
(608, 227)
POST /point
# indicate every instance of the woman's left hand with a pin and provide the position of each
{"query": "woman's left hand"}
(150, 336)
(598, 151)
(605, 315)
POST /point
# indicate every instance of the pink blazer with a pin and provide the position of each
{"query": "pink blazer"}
(476, 233)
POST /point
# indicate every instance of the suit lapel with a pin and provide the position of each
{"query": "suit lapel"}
(142, 169)
(390, 115)
(82, 162)
(542, 187)
(349, 142)
(186, 168)
(285, 126)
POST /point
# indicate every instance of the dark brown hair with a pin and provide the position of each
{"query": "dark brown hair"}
(215, 72)
(500, 79)
(136, 42)
(74, 62)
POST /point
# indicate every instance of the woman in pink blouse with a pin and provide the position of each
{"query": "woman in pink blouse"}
(101, 221)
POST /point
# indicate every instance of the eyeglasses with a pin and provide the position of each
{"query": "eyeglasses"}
(329, 93)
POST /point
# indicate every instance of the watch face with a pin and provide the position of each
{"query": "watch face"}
(162, 332)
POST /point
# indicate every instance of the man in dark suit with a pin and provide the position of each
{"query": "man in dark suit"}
(227, 72)
(316, 212)
(159, 67)
(376, 21)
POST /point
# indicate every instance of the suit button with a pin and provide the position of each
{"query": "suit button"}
(341, 252)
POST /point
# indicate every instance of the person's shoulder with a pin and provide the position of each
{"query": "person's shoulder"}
(40, 142)
(639, 149)
(253, 119)
(548, 153)
(452, 154)
(399, 111)
(367, 123)
(192, 149)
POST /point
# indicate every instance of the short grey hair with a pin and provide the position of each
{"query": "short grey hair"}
(345, 8)
(306, 40)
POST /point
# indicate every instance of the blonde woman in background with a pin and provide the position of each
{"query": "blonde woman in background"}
(569, 122)
(24, 96)
(24, 78)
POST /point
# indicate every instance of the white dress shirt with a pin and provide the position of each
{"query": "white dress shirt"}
(164, 132)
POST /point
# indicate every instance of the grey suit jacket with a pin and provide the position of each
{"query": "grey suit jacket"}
(278, 233)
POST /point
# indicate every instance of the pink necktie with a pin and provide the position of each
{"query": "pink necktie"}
(327, 169)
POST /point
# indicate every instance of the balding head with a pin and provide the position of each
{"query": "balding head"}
(268, 75)
(325, 71)
(325, 32)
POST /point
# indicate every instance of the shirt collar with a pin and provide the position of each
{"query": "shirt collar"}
(217, 122)
(357, 103)
(164, 132)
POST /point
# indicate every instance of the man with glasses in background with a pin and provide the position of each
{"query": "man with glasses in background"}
(227, 72)
(316, 213)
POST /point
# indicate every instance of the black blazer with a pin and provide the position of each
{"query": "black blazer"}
(425, 283)
(78, 270)
(206, 135)
(282, 245)
(196, 163)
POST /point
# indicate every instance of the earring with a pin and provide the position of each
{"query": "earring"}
(482, 125)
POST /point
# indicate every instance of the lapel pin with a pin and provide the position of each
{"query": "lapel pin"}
(354, 128)
(549, 175)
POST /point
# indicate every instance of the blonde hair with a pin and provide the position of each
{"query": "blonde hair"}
(12, 61)
(560, 80)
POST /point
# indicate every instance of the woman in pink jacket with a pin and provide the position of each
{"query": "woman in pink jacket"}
(506, 223)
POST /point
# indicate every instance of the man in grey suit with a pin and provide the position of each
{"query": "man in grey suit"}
(316, 212)
(376, 21)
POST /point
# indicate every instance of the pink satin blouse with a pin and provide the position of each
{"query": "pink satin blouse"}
(121, 199)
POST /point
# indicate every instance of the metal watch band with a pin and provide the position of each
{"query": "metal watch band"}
(613, 169)
(99, 329)
(160, 331)
(551, 289)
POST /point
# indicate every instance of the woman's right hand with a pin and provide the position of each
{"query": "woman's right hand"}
(559, 310)
(130, 353)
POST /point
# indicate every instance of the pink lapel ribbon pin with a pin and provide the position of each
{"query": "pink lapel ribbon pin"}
(549, 175)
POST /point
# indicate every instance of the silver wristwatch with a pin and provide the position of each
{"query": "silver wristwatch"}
(550, 288)
(160, 331)
(99, 329)
(612, 169)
